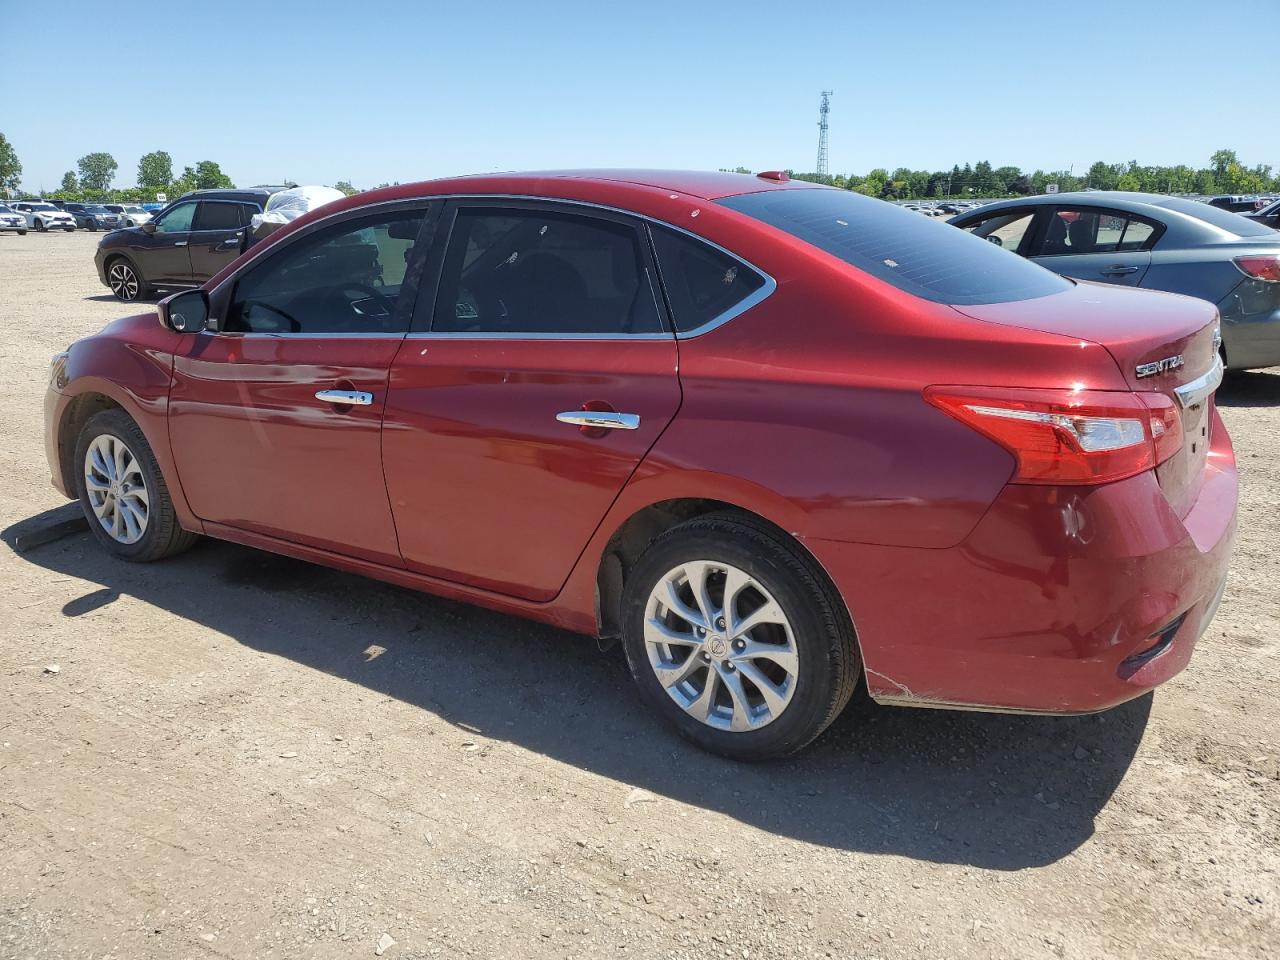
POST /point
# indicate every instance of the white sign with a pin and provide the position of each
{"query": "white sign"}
(164, 197)
(1050, 188)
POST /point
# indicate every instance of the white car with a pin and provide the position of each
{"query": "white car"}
(11, 219)
(45, 216)
(130, 214)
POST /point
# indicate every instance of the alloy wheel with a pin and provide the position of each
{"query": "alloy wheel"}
(117, 489)
(721, 646)
(123, 281)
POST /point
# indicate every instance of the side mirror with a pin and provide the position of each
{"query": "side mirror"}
(149, 227)
(185, 312)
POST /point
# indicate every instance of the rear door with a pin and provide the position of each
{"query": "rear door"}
(1090, 243)
(534, 382)
(217, 237)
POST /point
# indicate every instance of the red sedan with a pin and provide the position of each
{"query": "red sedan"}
(778, 438)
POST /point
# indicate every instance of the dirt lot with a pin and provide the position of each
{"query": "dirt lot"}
(246, 756)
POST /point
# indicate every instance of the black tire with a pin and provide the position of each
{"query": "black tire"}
(118, 271)
(69, 229)
(40, 227)
(829, 664)
(163, 536)
(22, 233)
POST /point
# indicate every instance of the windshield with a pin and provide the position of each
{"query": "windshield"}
(931, 260)
(4, 208)
(95, 208)
(42, 206)
(1217, 217)
(134, 210)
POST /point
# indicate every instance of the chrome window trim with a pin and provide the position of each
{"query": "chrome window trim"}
(492, 335)
(294, 337)
(741, 307)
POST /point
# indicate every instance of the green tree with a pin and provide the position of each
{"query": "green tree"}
(10, 168)
(155, 170)
(1220, 160)
(346, 187)
(69, 183)
(97, 170)
(209, 176)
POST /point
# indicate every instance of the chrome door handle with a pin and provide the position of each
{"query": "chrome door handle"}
(600, 418)
(1118, 271)
(180, 243)
(346, 398)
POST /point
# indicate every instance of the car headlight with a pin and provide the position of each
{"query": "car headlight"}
(58, 370)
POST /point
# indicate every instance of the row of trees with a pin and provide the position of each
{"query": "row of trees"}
(94, 173)
(91, 180)
(1225, 174)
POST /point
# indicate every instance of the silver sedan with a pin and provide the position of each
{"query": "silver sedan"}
(1157, 242)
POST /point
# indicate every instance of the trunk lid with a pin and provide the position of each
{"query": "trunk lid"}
(1161, 342)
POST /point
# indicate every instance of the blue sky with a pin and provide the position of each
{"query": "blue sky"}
(372, 91)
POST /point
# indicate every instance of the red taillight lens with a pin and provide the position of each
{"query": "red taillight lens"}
(1069, 436)
(1260, 267)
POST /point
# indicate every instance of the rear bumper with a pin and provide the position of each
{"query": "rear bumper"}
(1061, 600)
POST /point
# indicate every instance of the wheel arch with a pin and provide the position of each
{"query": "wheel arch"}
(630, 539)
(90, 395)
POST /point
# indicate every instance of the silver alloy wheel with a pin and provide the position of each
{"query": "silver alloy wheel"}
(721, 646)
(116, 488)
(124, 282)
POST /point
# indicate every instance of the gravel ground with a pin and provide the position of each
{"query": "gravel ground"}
(247, 756)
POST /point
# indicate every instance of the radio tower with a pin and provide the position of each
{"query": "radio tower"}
(823, 110)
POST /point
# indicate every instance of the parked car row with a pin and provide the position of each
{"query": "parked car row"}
(777, 438)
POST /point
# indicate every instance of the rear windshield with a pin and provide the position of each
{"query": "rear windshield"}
(934, 261)
(1217, 217)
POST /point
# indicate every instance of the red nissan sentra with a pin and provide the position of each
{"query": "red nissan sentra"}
(776, 437)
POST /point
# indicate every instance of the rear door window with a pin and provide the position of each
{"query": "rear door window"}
(524, 271)
(703, 284)
(213, 215)
(930, 260)
(1077, 231)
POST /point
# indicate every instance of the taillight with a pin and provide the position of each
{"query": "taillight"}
(1069, 436)
(1260, 267)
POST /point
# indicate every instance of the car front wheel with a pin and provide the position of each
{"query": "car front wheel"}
(124, 281)
(123, 493)
(40, 226)
(736, 638)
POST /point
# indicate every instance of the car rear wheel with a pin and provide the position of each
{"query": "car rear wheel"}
(122, 492)
(124, 281)
(736, 639)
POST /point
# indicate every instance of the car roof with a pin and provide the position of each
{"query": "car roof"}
(703, 184)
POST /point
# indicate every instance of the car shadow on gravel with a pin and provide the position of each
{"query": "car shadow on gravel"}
(993, 791)
(1250, 388)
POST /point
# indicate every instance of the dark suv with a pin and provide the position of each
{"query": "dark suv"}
(183, 245)
(93, 216)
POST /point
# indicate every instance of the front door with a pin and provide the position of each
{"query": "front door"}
(532, 389)
(276, 419)
(162, 253)
(217, 237)
(1088, 243)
